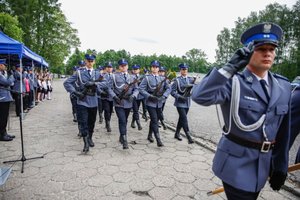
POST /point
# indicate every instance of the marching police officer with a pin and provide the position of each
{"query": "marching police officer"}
(162, 72)
(73, 99)
(100, 107)
(155, 89)
(5, 98)
(255, 106)
(87, 100)
(137, 102)
(295, 119)
(107, 101)
(124, 93)
(181, 90)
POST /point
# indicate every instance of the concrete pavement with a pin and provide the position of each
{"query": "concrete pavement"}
(177, 171)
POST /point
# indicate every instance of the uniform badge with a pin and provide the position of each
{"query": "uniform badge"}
(249, 79)
(267, 28)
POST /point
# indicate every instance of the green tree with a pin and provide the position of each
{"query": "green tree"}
(10, 26)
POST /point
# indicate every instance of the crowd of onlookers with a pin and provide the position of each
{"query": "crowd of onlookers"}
(36, 87)
(25, 87)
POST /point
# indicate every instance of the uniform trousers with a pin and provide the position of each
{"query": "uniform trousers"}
(122, 114)
(74, 104)
(86, 117)
(154, 116)
(233, 193)
(4, 107)
(108, 108)
(182, 121)
(135, 108)
(100, 107)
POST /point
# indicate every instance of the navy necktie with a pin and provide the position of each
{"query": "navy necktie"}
(263, 84)
(89, 71)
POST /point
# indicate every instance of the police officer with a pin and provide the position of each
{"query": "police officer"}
(33, 85)
(295, 120)
(73, 99)
(137, 102)
(155, 89)
(86, 98)
(255, 106)
(181, 92)
(107, 101)
(144, 107)
(124, 93)
(5, 98)
(20, 90)
(162, 72)
(100, 107)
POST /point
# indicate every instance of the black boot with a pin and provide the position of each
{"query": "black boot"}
(188, 136)
(133, 123)
(150, 138)
(86, 144)
(100, 119)
(74, 117)
(121, 139)
(159, 143)
(139, 125)
(107, 126)
(163, 124)
(144, 116)
(177, 135)
(125, 143)
(90, 139)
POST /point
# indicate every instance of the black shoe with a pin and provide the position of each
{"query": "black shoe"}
(177, 136)
(5, 138)
(86, 144)
(139, 125)
(121, 139)
(157, 137)
(11, 136)
(133, 123)
(188, 136)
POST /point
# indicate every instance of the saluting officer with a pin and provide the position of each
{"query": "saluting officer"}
(137, 102)
(86, 98)
(107, 101)
(124, 93)
(181, 89)
(155, 89)
(295, 119)
(5, 98)
(256, 111)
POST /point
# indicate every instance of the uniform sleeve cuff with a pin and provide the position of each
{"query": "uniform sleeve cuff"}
(225, 73)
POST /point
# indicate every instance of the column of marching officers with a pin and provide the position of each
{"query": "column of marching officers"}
(105, 89)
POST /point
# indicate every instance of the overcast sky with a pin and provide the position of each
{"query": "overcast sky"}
(146, 27)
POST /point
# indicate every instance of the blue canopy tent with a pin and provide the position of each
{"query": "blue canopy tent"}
(17, 53)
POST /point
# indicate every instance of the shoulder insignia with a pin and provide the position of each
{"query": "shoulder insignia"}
(281, 77)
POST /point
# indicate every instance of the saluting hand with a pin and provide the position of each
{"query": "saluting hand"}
(239, 59)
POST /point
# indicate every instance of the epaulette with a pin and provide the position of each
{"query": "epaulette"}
(281, 77)
(81, 68)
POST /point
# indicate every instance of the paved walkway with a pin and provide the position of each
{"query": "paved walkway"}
(177, 171)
